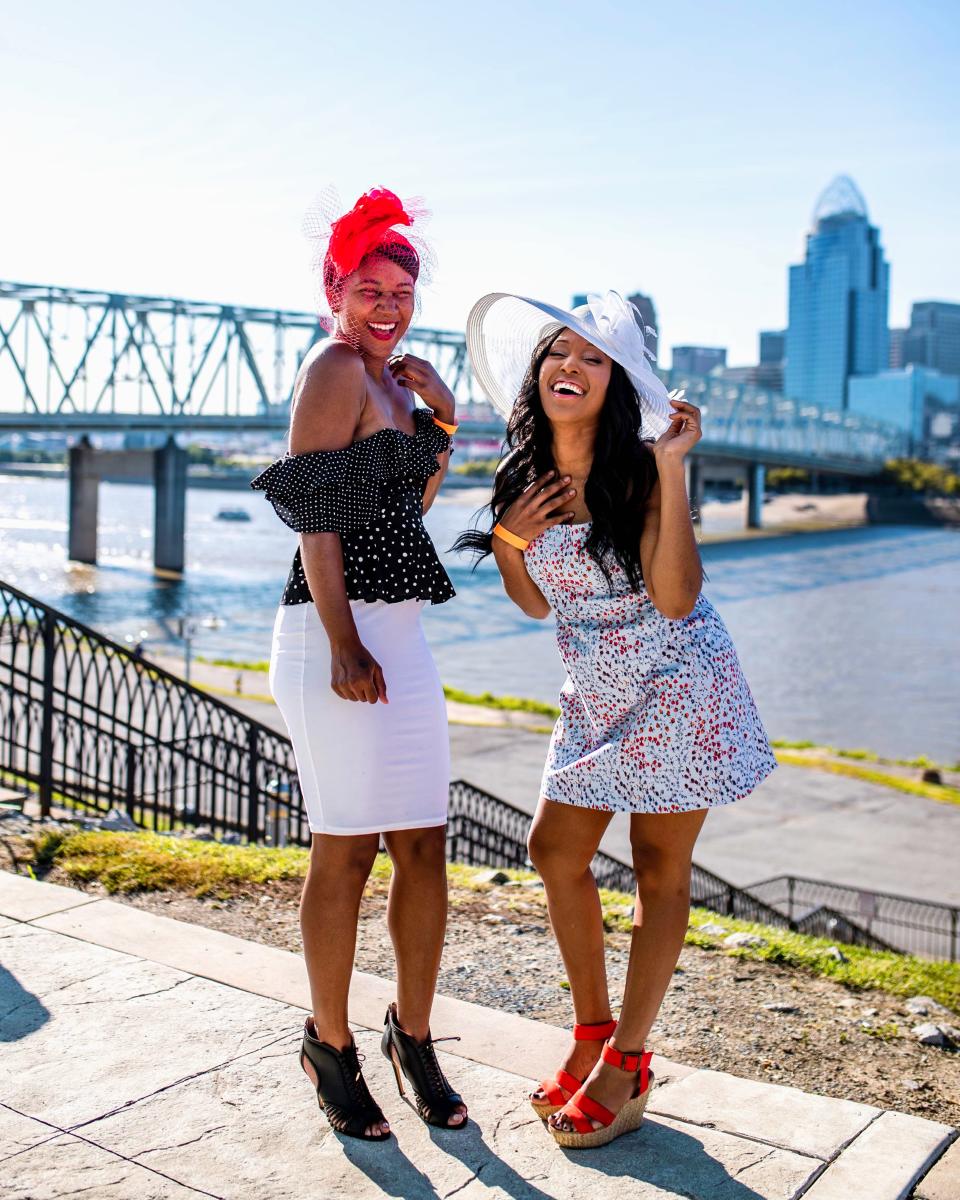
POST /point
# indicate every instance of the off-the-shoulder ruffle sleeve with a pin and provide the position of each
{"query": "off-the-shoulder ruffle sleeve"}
(341, 491)
(326, 491)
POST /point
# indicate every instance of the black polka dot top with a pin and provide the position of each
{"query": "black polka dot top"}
(371, 493)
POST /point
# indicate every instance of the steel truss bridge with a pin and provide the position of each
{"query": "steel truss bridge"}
(82, 361)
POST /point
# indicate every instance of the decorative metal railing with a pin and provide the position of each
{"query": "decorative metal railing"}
(924, 926)
(88, 725)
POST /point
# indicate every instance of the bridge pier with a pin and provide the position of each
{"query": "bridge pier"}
(756, 480)
(84, 489)
(169, 506)
(168, 468)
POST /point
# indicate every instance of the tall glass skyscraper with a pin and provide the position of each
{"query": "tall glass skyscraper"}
(838, 301)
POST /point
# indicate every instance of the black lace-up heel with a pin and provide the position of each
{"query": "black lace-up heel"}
(342, 1091)
(436, 1101)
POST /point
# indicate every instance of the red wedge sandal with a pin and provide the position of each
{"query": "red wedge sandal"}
(557, 1091)
(582, 1111)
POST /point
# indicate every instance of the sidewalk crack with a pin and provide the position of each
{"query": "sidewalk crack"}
(466, 1183)
(173, 1084)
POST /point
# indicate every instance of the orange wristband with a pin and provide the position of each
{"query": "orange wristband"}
(511, 539)
(450, 430)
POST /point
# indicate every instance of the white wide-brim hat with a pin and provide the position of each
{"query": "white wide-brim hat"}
(503, 330)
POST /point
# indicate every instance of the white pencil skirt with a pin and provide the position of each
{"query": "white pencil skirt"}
(364, 768)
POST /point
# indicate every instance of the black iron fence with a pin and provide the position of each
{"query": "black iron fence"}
(88, 725)
(84, 722)
(923, 927)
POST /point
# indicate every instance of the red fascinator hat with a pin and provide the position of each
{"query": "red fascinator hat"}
(342, 240)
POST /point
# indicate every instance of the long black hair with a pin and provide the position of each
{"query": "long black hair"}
(622, 474)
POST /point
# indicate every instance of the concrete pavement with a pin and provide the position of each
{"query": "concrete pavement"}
(148, 1058)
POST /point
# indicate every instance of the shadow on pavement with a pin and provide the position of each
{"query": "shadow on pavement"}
(23, 1013)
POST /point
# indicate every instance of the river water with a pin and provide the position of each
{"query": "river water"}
(850, 638)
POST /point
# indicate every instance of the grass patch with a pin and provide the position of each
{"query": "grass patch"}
(132, 862)
(941, 792)
(504, 703)
(238, 664)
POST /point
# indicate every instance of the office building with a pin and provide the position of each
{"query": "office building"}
(838, 301)
(698, 360)
(897, 343)
(933, 339)
(915, 399)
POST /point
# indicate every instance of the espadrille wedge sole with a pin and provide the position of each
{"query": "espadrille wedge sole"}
(582, 1110)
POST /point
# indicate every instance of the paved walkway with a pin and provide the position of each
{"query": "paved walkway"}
(146, 1058)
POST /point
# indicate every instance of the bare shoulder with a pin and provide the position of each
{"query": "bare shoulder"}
(328, 398)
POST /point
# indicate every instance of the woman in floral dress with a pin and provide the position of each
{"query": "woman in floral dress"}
(591, 521)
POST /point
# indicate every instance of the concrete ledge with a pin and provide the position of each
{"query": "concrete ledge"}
(942, 1181)
(512, 1043)
(819, 1126)
(885, 1161)
(25, 899)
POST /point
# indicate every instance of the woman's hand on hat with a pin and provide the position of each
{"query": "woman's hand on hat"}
(421, 377)
(682, 434)
(540, 507)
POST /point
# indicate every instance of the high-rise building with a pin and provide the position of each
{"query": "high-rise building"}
(933, 339)
(773, 346)
(648, 316)
(698, 360)
(913, 399)
(768, 373)
(838, 301)
(897, 342)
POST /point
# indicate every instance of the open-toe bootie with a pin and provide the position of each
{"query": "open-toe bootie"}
(581, 1110)
(558, 1090)
(341, 1088)
(434, 1098)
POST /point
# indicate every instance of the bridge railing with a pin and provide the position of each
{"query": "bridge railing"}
(767, 422)
(99, 360)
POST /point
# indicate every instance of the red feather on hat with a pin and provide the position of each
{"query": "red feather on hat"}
(364, 227)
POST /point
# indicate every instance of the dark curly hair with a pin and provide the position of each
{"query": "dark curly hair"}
(622, 474)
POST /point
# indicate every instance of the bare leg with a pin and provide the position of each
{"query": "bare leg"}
(662, 846)
(329, 909)
(417, 919)
(563, 841)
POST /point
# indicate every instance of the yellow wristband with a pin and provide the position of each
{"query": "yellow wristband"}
(510, 538)
(450, 430)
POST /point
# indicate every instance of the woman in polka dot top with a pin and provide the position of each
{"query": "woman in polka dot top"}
(591, 522)
(350, 668)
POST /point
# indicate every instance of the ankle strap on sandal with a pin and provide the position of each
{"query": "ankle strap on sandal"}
(594, 1033)
(631, 1062)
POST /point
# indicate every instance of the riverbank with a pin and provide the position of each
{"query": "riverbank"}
(778, 1007)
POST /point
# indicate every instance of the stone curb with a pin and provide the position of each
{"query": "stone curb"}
(503, 1040)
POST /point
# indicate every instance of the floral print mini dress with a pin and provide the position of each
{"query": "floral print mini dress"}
(655, 715)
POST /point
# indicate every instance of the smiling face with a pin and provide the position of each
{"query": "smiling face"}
(573, 379)
(376, 306)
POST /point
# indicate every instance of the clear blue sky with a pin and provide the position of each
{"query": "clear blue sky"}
(674, 148)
